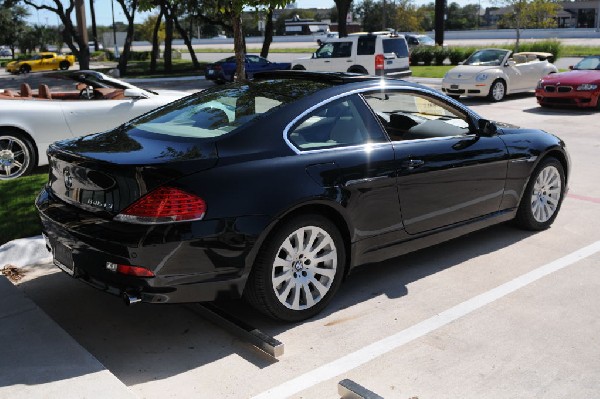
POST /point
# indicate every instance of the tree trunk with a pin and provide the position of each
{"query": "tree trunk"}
(186, 39)
(155, 44)
(239, 46)
(264, 52)
(168, 41)
(130, 15)
(343, 6)
(94, 31)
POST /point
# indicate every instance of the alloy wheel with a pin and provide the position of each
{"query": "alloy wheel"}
(14, 157)
(498, 91)
(304, 268)
(546, 194)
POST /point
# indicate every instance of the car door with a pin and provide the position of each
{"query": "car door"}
(333, 57)
(446, 173)
(347, 152)
(92, 116)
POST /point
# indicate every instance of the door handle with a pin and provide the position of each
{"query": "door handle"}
(327, 61)
(413, 163)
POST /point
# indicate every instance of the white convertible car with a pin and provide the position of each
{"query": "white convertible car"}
(494, 73)
(30, 120)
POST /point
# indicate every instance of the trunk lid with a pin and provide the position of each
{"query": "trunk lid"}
(104, 173)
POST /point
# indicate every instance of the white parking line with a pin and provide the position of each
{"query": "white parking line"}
(376, 349)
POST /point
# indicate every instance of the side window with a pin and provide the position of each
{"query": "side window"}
(366, 45)
(342, 49)
(410, 115)
(340, 123)
(325, 51)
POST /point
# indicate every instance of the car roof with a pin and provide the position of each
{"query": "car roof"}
(335, 78)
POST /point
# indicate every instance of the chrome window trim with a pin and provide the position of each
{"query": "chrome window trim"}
(383, 85)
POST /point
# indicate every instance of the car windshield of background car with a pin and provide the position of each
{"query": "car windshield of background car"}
(486, 57)
(588, 63)
(396, 46)
(217, 111)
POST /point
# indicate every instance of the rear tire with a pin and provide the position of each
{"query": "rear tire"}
(25, 69)
(298, 270)
(358, 69)
(299, 68)
(543, 196)
(17, 154)
(64, 65)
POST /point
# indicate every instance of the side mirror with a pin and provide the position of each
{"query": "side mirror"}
(135, 93)
(487, 127)
(571, 67)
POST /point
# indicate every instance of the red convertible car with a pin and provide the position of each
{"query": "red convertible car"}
(579, 87)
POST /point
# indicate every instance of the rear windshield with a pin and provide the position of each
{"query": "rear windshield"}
(397, 46)
(220, 110)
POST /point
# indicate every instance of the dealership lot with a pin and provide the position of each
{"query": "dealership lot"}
(500, 313)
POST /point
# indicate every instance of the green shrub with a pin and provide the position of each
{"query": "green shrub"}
(456, 55)
(415, 57)
(426, 55)
(440, 54)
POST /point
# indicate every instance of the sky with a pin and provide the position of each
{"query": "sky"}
(104, 16)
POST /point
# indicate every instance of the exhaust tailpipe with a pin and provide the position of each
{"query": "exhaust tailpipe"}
(131, 299)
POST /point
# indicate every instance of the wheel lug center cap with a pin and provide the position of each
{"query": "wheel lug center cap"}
(298, 266)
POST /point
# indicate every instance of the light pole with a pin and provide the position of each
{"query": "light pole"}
(112, 7)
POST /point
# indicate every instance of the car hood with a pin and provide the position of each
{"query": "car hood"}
(574, 77)
(12, 63)
(468, 71)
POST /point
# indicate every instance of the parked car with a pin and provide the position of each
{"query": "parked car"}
(495, 73)
(41, 62)
(31, 120)
(5, 53)
(415, 40)
(579, 87)
(224, 70)
(372, 54)
(275, 189)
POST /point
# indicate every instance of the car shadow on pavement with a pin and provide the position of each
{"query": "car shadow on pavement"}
(471, 101)
(146, 342)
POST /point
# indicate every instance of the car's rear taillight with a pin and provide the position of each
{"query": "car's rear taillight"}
(379, 62)
(164, 205)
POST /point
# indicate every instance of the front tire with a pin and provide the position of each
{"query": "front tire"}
(543, 196)
(17, 155)
(299, 68)
(497, 91)
(24, 69)
(298, 270)
(64, 65)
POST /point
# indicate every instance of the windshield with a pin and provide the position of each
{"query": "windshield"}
(426, 40)
(487, 57)
(220, 110)
(589, 63)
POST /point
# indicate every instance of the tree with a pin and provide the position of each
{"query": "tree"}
(343, 7)
(153, 30)
(12, 21)
(129, 8)
(70, 33)
(528, 14)
(407, 18)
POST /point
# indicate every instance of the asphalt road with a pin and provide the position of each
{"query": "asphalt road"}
(497, 314)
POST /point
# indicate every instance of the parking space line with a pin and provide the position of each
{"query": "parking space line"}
(379, 348)
(584, 198)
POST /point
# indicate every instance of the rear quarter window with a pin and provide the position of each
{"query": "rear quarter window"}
(396, 45)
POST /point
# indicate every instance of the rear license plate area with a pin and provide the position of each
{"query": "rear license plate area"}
(63, 258)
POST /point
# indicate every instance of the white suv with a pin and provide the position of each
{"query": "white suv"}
(373, 54)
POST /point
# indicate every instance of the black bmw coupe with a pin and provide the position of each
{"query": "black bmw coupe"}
(274, 189)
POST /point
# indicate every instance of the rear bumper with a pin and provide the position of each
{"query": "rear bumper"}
(394, 73)
(192, 262)
(581, 99)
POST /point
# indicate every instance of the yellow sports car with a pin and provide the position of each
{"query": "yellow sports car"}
(41, 62)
